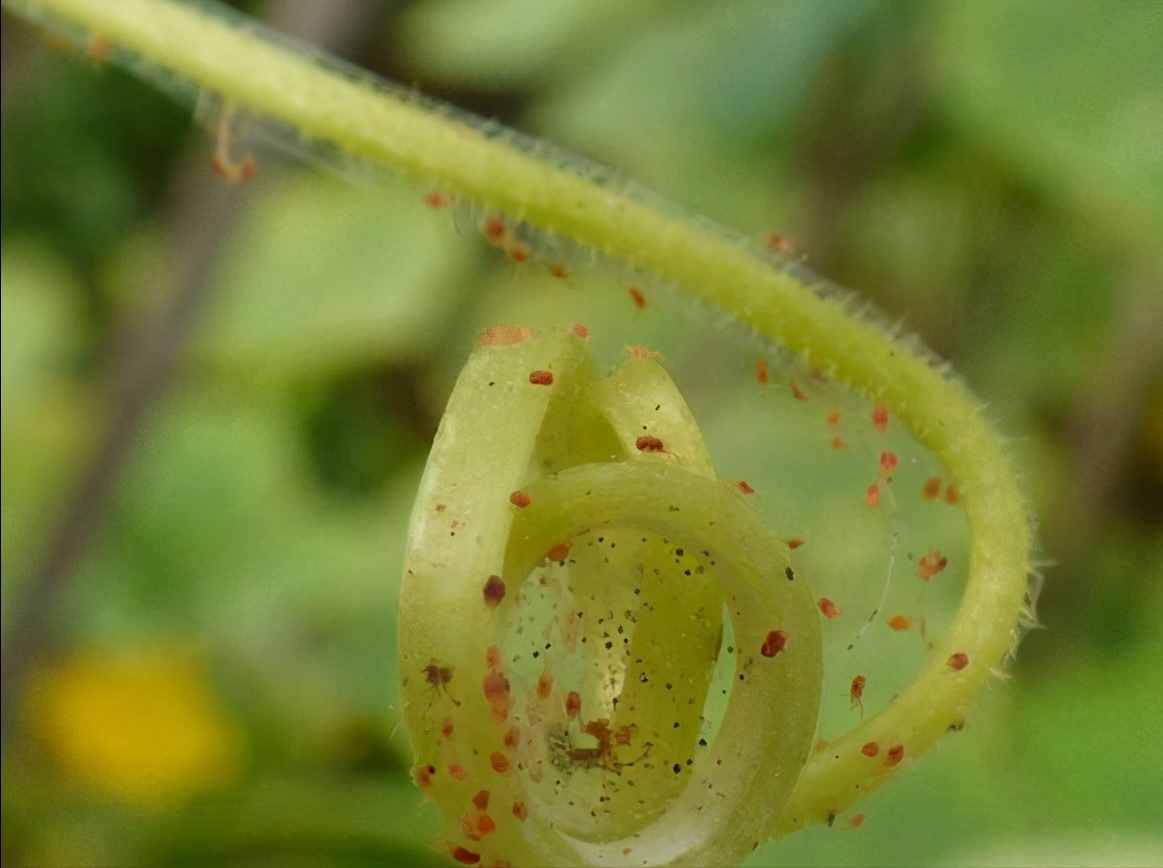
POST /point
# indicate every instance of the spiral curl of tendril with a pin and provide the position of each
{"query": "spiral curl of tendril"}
(529, 468)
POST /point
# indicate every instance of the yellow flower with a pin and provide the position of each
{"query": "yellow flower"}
(145, 728)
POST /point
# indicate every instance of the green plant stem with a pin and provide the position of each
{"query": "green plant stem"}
(323, 103)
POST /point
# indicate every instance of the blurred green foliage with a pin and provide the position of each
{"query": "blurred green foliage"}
(989, 171)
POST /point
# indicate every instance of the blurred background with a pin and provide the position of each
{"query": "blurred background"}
(217, 401)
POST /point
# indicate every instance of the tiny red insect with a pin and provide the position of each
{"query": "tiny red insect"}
(957, 661)
(895, 754)
(952, 496)
(888, 461)
(558, 270)
(457, 771)
(544, 685)
(520, 811)
(794, 543)
(499, 762)
(495, 229)
(423, 775)
(872, 495)
(775, 642)
(647, 443)
(856, 692)
(838, 442)
(436, 199)
(573, 704)
(494, 591)
(828, 609)
(558, 553)
(856, 821)
(880, 418)
(465, 857)
(637, 297)
(870, 749)
(761, 371)
(931, 564)
(481, 800)
(932, 488)
(797, 392)
(512, 738)
(833, 418)
(446, 728)
(541, 378)
(745, 487)
(580, 330)
(900, 622)
(520, 499)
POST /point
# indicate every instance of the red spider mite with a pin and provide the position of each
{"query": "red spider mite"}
(794, 543)
(512, 738)
(573, 704)
(931, 490)
(761, 371)
(870, 749)
(496, 690)
(423, 775)
(957, 661)
(481, 800)
(495, 229)
(545, 685)
(558, 270)
(780, 243)
(856, 692)
(457, 772)
(499, 762)
(436, 200)
(856, 821)
(931, 564)
(518, 252)
(828, 609)
(639, 352)
(503, 335)
(775, 642)
(465, 857)
(797, 392)
(952, 496)
(638, 298)
(438, 677)
(493, 658)
(833, 418)
(838, 442)
(743, 486)
(580, 330)
(647, 443)
(494, 591)
(541, 378)
(880, 418)
(520, 811)
(447, 727)
(895, 754)
(520, 499)
(888, 461)
(558, 553)
(872, 495)
(900, 622)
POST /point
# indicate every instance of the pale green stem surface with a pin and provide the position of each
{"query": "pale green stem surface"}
(385, 127)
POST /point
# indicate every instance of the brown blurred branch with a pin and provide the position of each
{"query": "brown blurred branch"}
(203, 215)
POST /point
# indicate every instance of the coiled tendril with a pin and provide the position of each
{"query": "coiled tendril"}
(548, 516)
(540, 755)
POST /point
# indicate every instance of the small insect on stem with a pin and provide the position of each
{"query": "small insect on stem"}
(438, 677)
(856, 696)
(637, 297)
(222, 163)
(775, 642)
(437, 200)
(647, 443)
(829, 609)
